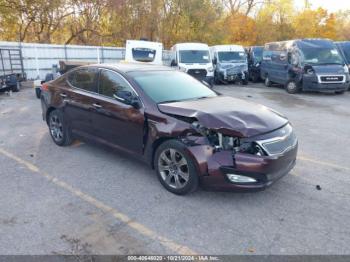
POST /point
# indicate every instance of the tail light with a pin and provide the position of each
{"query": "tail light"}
(44, 87)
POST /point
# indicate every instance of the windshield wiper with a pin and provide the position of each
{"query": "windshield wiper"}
(329, 64)
(169, 101)
(202, 97)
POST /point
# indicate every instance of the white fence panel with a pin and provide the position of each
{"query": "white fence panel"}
(38, 59)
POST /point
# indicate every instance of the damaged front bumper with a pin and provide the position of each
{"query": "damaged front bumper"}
(215, 168)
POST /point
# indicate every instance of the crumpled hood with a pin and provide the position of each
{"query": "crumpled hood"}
(228, 115)
(328, 69)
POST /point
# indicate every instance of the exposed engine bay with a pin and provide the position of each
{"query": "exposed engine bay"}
(223, 142)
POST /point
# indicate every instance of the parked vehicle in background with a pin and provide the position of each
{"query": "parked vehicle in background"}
(188, 133)
(230, 64)
(144, 51)
(344, 49)
(254, 55)
(195, 60)
(305, 64)
(11, 69)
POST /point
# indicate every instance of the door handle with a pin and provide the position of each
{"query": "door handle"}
(63, 95)
(96, 105)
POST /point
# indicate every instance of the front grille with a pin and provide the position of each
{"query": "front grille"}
(197, 73)
(235, 70)
(232, 71)
(280, 144)
(331, 79)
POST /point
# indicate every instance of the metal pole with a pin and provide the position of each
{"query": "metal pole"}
(102, 54)
(65, 52)
(2, 62)
(21, 58)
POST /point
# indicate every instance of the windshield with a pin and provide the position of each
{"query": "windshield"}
(319, 56)
(231, 57)
(143, 54)
(194, 56)
(171, 86)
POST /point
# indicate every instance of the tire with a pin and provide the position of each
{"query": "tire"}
(292, 87)
(16, 87)
(38, 92)
(175, 169)
(255, 78)
(267, 82)
(216, 80)
(340, 92)
(59, 131)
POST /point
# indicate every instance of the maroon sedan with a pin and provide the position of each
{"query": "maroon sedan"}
(187, 132)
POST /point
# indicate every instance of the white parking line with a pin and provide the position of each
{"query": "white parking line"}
(315, 161)
(139, 228)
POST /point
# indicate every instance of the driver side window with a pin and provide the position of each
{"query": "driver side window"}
(294, 59)
(111, 82)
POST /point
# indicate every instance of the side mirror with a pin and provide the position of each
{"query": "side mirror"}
(215, 61)
(128, 98)
(173, 63)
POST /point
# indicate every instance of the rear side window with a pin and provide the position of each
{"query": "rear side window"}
(111, 82)
(143, 54)
(84, 78)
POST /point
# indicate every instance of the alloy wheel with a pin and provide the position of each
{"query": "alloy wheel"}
(173, 168)
(56, 128)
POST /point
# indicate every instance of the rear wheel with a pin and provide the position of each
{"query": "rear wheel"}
(59, 131)
(38, 92)
(175, 169)
(292, 87)
(268, 83)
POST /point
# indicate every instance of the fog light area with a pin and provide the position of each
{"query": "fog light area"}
(240, 179)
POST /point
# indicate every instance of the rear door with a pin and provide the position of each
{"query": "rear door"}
(80, 100)
(115, 122)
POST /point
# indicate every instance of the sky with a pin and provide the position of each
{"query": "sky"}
(331, 5)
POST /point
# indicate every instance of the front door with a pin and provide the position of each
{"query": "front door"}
(116, 122)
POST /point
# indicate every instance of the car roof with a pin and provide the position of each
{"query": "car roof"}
(233, 48)
(191, 46)
(132, 67)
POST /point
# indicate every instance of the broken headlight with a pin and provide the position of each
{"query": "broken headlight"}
(251, 148)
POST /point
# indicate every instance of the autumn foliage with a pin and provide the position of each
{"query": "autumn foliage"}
(111, 22)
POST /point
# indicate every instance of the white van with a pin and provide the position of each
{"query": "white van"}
(144, 52)
(230, 63)
(195, 59)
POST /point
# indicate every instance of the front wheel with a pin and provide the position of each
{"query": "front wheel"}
(59, 131)
(175, 169)
(292, 87)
